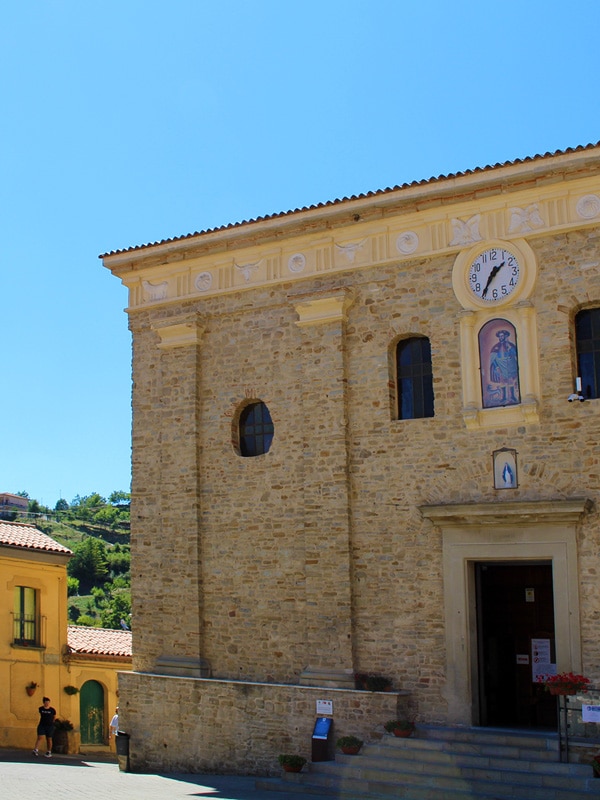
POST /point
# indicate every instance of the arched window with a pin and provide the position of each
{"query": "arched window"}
(587, 337)
(414, 378)
(256, 430)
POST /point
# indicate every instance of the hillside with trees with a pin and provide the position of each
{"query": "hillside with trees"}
(96, 529)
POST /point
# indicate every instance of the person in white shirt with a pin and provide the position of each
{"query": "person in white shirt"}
(114, 724)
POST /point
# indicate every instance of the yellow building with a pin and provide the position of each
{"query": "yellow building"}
(41, 655)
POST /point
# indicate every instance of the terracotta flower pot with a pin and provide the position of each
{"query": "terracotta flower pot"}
(351, 750)
(30, 690)
(290, 768)
(403, 733)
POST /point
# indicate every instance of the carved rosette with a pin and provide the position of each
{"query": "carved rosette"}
(203, 281)
(407, 242)
(588, 206)
(297, 262)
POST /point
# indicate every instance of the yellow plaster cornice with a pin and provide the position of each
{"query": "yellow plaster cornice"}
(518, 202)
(179, 332)
(320, 310)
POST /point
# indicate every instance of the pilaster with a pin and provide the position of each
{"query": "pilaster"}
(326, 492)
(176, 587)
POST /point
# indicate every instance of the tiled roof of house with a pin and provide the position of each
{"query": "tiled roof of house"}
(98, 641)
(19, 534)
(378, 192)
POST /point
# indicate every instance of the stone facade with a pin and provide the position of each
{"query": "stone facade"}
(339, 550)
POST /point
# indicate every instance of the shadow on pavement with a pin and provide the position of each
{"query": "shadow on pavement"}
(75, 760)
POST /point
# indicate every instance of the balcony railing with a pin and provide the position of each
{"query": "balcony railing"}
(27, 630)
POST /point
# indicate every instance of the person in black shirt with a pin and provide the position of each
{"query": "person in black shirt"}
(45, 727)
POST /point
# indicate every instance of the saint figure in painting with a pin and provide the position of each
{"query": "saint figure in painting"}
(501, 384)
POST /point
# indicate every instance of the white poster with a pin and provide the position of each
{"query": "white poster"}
(324, 707)
(540, 659)
(590, 713)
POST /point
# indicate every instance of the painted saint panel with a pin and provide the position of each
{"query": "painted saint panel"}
(499, 362)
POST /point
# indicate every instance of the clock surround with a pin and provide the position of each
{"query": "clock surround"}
(494, 273)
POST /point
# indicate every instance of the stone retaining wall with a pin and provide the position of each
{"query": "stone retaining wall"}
(237, 727)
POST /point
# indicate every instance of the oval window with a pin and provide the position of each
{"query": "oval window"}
(256, 430)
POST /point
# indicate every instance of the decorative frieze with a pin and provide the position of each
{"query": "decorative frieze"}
(390, 238)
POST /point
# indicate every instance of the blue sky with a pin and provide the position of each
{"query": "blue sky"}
(128, 122)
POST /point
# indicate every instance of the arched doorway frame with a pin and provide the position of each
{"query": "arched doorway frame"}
(514, 531)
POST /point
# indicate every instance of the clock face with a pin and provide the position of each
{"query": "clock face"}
(494, 275)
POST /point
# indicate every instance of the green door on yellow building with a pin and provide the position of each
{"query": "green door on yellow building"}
(91, 710)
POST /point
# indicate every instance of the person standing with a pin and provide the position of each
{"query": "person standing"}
(114, 724)
(45, 727)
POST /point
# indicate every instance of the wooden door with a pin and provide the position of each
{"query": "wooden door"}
(91, 710)
(515, 605)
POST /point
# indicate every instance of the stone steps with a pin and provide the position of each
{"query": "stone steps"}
(448, 764)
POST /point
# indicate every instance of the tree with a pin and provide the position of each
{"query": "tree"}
(94, 500)
(118, 608)
(61, 505)
(89, 563)
(119, 562)
(105, 516)
(87, 620)
(119, 497)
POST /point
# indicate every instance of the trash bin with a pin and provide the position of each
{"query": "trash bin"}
(123, 750)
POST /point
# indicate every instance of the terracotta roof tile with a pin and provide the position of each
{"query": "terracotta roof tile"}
(19, 534)
(98, 641)
(362, 196)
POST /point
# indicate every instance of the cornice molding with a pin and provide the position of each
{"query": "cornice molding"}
(320, 310)
(179, 332)
(159, 276)
(507, 514)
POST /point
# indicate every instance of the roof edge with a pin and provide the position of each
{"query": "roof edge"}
(452, 182)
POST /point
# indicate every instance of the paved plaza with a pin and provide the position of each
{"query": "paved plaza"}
(24, 777)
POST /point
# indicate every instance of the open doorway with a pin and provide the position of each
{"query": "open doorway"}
(515, 619)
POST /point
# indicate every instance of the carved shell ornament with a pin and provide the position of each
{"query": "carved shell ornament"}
(155, 291)
(407, 242)
(588, 206)
(203, 281)
(297, 262)
(466, 231)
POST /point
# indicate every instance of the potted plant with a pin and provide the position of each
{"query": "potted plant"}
(373, 683)
(378, 683)
(70, 689)
(60, 738)
(350, 745)
(564, 683)
(31, 687)
(400, 727)
(291, 763)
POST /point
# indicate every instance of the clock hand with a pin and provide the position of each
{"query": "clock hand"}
(491, 277)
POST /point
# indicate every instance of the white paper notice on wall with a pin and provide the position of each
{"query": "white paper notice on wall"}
(541, 665)
(324, 708)
(590, 713)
